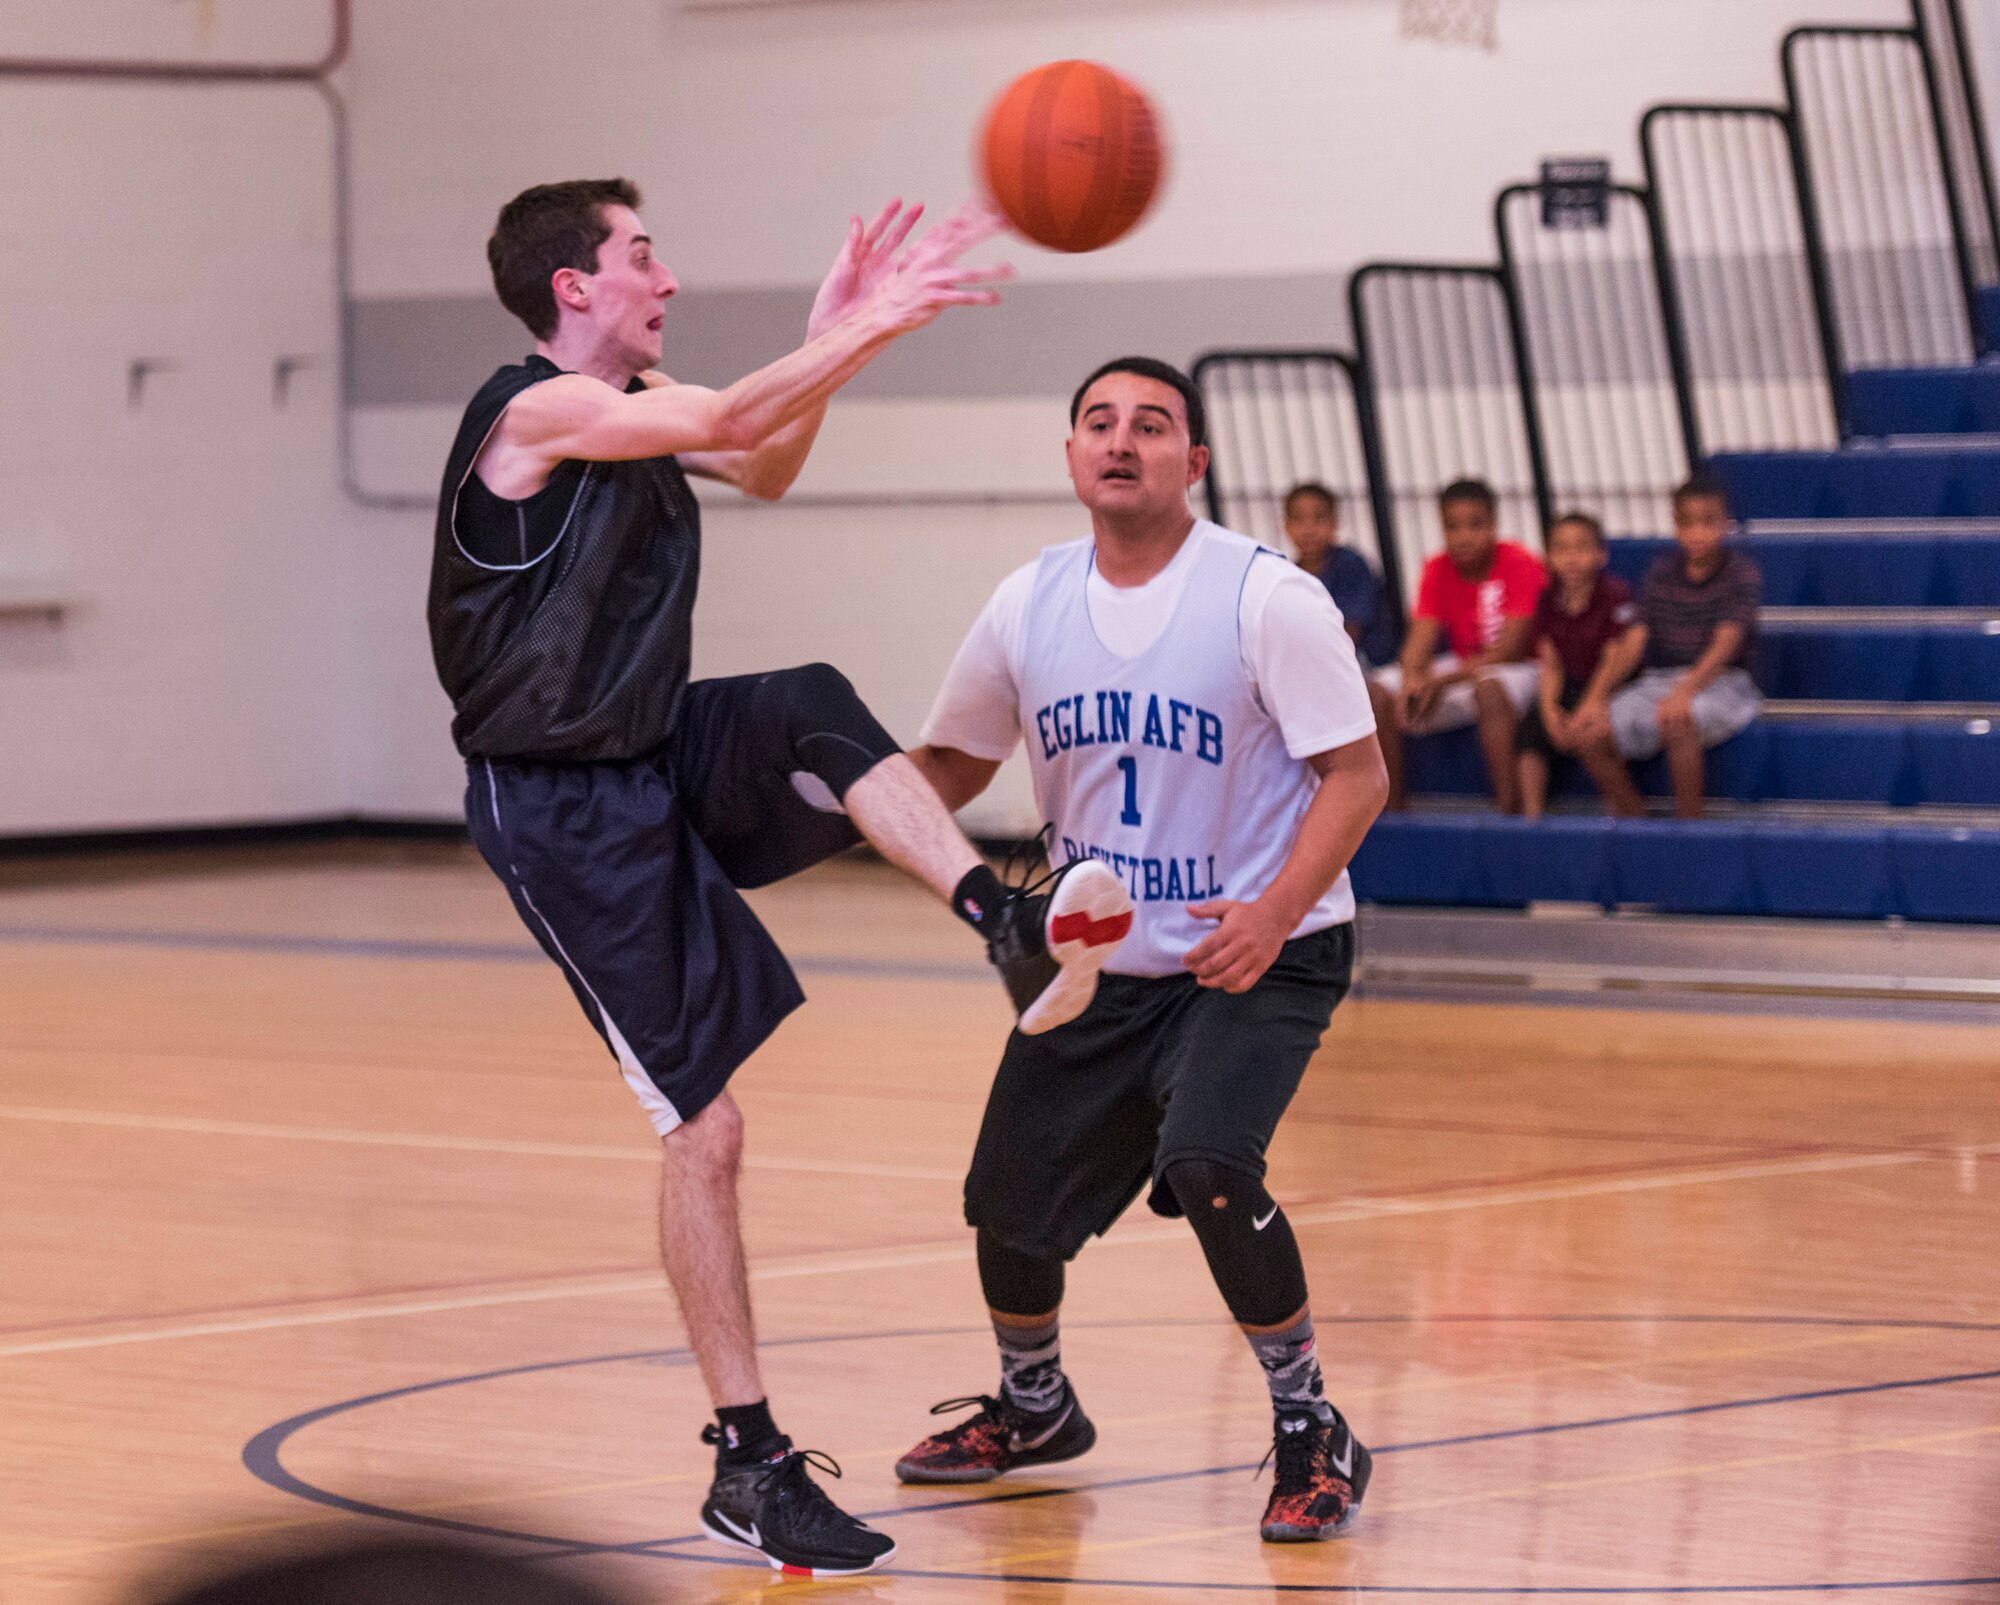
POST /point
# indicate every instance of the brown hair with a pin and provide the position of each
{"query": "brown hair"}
(1702, 485)
(1587, 520)
(1470, 490)
(1312, 490)
(543, 229)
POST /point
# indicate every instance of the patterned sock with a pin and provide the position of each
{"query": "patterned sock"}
(977, 895)
(1291, 1368)
(1031, 1374)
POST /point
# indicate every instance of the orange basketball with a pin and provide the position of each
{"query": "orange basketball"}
(1072, 154)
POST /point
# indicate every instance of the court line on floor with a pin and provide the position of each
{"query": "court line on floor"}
(262, 1457)
(1873, 1328)
(446, 1141)
(386, 947)
(957, 1249)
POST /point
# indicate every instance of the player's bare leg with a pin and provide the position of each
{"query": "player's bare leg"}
(903, 819)
(701, 1245)
(1049, 943)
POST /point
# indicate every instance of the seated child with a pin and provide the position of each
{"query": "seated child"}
(1587, 639)
(1477, 599)
(1312, 525)
(1699, 607)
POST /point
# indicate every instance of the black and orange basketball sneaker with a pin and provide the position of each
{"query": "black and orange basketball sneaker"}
(1322, 1474)
(775, 1509)
(1050, 939)
(1000, 1438)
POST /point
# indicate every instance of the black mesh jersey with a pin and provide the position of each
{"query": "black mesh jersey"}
(561, 625)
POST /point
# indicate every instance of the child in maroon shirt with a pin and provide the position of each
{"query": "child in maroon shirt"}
(1588, 639)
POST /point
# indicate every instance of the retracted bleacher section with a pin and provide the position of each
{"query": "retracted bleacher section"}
(1809, 315)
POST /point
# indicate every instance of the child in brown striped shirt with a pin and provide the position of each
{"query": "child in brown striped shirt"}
(1699, 609)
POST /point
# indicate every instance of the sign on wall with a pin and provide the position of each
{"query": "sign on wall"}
(1576, 192)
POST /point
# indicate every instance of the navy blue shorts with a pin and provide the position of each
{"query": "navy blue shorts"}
(627, 873)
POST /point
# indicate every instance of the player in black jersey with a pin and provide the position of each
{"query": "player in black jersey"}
(623, 806)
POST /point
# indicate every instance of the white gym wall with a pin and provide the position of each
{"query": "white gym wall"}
(245, 642)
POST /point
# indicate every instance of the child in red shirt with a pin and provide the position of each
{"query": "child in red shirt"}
(1477, 598)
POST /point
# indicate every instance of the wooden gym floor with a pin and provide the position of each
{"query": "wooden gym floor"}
(321, 1210)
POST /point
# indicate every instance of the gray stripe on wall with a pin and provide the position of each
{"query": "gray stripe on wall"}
(1041, 339)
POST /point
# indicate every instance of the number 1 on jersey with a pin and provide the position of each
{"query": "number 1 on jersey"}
(1129, 767)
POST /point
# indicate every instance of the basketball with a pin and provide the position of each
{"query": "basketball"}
(1072, 153)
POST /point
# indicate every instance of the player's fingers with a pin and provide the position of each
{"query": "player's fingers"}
(972, 223)
(883, 219)
(901, 231)
(1227, 955)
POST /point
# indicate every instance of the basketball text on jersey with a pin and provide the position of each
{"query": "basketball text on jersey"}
(1154, 880)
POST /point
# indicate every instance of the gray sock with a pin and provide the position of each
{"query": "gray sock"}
(1291, 1368)
(1031, 1375)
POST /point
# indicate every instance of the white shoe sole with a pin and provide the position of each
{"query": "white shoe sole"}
(1088, 916)
(717, 1535)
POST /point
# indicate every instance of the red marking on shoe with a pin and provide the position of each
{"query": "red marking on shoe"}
(1092, 933)
(796, 1571)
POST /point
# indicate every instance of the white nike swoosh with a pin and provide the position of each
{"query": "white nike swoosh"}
(1018, 1443)
(1258, 1225)
(1345, 1464)
(751, 1537)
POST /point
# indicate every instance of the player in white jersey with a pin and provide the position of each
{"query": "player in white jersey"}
(1195, 719)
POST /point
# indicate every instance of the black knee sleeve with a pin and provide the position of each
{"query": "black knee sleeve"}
(829, 728)
(1251, 1251)
(1015, 1283)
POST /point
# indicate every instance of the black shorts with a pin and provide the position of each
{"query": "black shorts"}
(1156, 1069)
(627, 874)
(1531, 735)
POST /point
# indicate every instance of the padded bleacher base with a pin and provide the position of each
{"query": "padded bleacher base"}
(1682, 867)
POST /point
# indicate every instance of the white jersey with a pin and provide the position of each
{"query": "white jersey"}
(1165, 763)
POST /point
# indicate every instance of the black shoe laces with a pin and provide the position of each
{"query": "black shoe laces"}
(1017, 869)
(808, 1511)
(1296, 1452)
(988, 1406)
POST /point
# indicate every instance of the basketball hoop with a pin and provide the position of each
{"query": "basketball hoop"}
(1453, 22)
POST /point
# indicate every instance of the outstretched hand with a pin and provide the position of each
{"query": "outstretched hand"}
(867, 257)
(926, 278)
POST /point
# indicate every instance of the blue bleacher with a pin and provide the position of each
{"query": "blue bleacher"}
(1863, 662)
(1924, 401)
(1852, 570)
(1989, 319)
(1706, 867)
(1931, 481)
(1880, 761)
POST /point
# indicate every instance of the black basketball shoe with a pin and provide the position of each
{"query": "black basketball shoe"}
(998, 1439)
(1322, 1474)
(775, 1509)
(1049, 940)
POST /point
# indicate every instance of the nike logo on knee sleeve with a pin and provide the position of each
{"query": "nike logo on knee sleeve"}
(1257, 1225)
